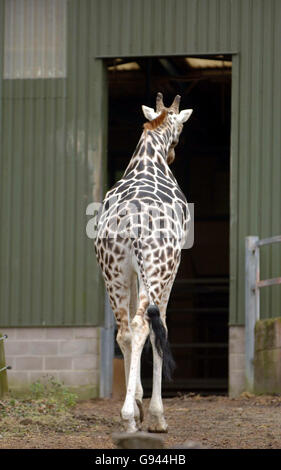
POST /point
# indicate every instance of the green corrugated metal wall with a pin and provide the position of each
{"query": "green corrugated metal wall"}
(50, 150)
(53, 155)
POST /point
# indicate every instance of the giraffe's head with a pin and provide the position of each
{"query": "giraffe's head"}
(173, 118)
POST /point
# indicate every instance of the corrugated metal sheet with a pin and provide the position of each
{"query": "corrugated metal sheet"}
(165, 27)
(258, 159)
(47, 273)
(53, 145)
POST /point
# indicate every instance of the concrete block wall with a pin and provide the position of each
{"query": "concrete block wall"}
(72, 356)
(236, 365)
(69, 354)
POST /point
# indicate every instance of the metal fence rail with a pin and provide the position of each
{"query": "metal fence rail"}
(253, 284)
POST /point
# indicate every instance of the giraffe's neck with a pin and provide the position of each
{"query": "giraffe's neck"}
(152, 147)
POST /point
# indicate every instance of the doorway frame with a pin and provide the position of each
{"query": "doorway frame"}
(107, 330)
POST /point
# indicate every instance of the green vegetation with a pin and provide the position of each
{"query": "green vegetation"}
(47, 406)
(56, 395)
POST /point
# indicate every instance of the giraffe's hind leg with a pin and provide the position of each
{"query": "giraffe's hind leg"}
(139, 412)
(121, 303)
(157, 422)
(139, 333)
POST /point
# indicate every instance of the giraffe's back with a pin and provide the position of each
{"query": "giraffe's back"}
(145, 203)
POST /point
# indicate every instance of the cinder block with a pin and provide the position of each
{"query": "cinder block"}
(78, 377)
(237, 339)
(236, 383)
(29, 363)
(11, 332)
(85, 332)
(85, 362)
(31, 333)
(17, 378)
(16, 348)
(77, 347)
(43, 348)
(42, 376)
(10, 361)
(59, 333)
(58, 363)
(236, 362)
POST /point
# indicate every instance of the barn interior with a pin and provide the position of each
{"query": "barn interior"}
(197, 314)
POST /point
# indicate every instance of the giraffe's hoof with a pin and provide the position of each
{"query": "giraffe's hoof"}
(130, 427)
(157, 429)
(157, 424)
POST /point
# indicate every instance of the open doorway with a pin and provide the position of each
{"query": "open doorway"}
(198, 309)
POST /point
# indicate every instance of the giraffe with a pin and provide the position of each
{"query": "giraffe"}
(141, 230)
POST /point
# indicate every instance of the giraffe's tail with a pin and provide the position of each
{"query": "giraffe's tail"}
(161, 341)
(156, 323)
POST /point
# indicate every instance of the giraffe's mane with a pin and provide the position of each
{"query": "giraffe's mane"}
(151, 125)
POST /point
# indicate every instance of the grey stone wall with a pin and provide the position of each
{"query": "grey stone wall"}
(69, 354)
(236, 384)
(72, 356)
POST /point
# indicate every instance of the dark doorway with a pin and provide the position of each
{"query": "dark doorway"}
(197, 313)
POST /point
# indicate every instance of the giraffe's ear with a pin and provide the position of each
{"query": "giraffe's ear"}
(184, 115)
(149, 113)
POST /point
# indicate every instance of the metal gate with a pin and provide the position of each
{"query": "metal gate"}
(253, 284)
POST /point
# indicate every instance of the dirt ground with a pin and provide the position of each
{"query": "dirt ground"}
(213, 421)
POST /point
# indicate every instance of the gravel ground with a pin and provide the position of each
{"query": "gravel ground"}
(217, 422)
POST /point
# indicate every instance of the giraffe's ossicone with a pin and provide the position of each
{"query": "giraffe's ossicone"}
(142, 227)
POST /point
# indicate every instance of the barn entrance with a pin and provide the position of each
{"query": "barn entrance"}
(198, 309)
